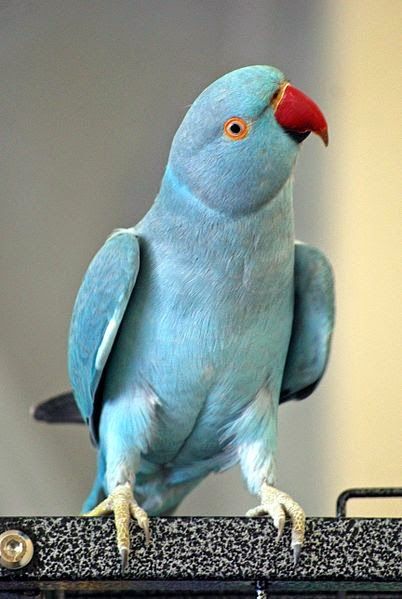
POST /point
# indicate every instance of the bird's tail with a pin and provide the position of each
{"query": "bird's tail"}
(58, 410)
(155, 496)
(159, 499)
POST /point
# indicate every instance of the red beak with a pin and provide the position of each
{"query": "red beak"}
(298, 114)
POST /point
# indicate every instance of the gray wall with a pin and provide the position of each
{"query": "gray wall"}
(91, 94)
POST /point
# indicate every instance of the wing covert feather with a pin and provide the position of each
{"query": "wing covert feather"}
(98, 311)
(313, 323)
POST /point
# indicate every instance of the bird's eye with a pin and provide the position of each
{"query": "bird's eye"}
(236, 128)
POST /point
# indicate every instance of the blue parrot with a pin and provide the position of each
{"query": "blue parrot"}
(190, 327)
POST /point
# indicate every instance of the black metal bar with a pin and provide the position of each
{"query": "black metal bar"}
(207, 555)
(364, 493)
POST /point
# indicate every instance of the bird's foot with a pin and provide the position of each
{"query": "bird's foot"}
(279, 505)
(122, 503)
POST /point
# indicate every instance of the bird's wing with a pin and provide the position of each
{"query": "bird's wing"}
(313, 322)
(99, 308)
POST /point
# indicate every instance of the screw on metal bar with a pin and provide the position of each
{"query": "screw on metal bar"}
(260, 591)
(16, 549)
(369, 492)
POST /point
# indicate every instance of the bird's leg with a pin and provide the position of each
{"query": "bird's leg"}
(120, 443)
(122, 503)
(279, 505)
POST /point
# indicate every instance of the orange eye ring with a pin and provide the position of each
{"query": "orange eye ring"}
(236, 128)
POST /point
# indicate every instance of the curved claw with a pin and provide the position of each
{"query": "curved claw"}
(281, 526)
(279, 505)
(123, 559)
(144, 524)
(142, 518)
(147, 533)
(122, 503)
(296, 552)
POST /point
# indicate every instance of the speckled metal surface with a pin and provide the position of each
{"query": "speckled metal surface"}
(81, 553)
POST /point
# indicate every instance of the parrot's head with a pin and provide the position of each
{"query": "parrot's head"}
(237, 144)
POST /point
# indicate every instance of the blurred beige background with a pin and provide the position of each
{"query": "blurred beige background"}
(91, 94)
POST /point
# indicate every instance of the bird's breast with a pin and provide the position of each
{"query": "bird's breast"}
(207, 326)
(199, 312)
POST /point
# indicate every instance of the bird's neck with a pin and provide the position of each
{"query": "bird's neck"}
(176, 208)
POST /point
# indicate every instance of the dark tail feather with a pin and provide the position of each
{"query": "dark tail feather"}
(58, 410)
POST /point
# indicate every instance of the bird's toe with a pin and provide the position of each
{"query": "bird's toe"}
(279, 505)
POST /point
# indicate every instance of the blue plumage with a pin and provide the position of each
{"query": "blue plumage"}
(98, 311)
(189, 326)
